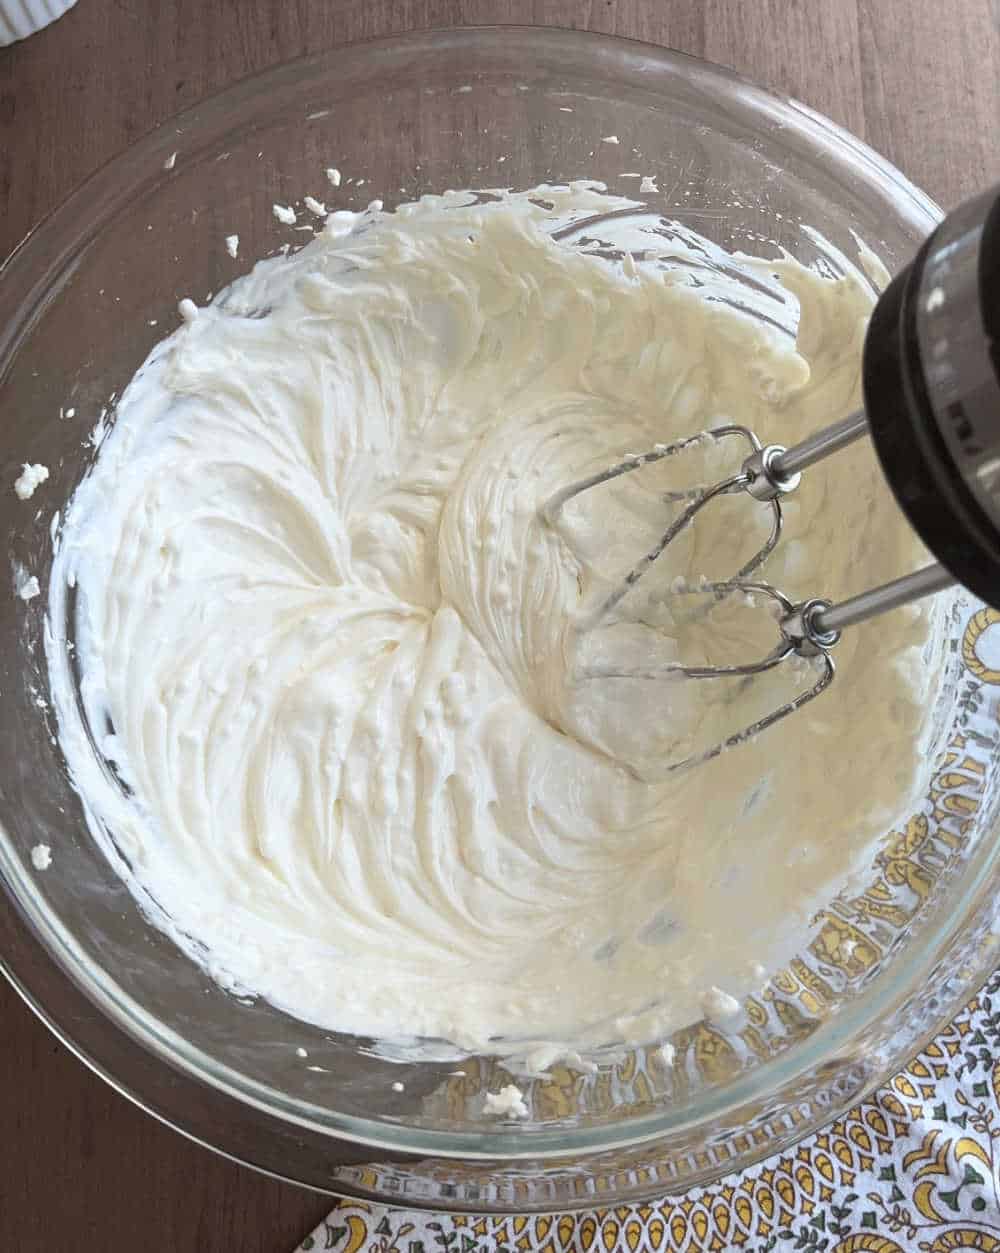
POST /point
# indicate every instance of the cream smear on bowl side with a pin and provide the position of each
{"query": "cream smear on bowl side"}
(331, 653)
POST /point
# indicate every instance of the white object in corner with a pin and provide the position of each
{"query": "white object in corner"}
(21, 18)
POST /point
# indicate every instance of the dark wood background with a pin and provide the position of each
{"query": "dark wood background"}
(80, 1168)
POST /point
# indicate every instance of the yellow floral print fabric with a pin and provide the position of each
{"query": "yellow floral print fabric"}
(916, 1167)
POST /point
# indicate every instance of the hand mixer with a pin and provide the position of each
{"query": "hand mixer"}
(931, 387)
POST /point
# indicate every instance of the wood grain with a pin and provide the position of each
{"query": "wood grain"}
(81, 1168)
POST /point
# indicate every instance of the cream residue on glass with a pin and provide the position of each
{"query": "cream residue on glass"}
(330, 657)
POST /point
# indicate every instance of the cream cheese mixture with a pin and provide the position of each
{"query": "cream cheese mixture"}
(354, 751)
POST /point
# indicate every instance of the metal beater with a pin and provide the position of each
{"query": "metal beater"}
(931, 384)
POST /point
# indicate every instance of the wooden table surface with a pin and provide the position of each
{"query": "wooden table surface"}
(80, 1168)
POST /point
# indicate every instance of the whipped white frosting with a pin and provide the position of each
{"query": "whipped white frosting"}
(371, 769)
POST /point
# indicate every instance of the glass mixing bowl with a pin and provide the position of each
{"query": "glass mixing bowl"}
(81, 303)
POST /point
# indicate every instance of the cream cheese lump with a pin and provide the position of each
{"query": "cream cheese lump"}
(354, 751)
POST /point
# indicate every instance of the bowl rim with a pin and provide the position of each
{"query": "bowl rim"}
(29, 942)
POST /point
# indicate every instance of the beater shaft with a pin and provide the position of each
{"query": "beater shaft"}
(816, 447)
(775, 471)
(880, 600)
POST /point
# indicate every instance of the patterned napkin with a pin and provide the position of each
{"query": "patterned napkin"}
(915, 1167)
